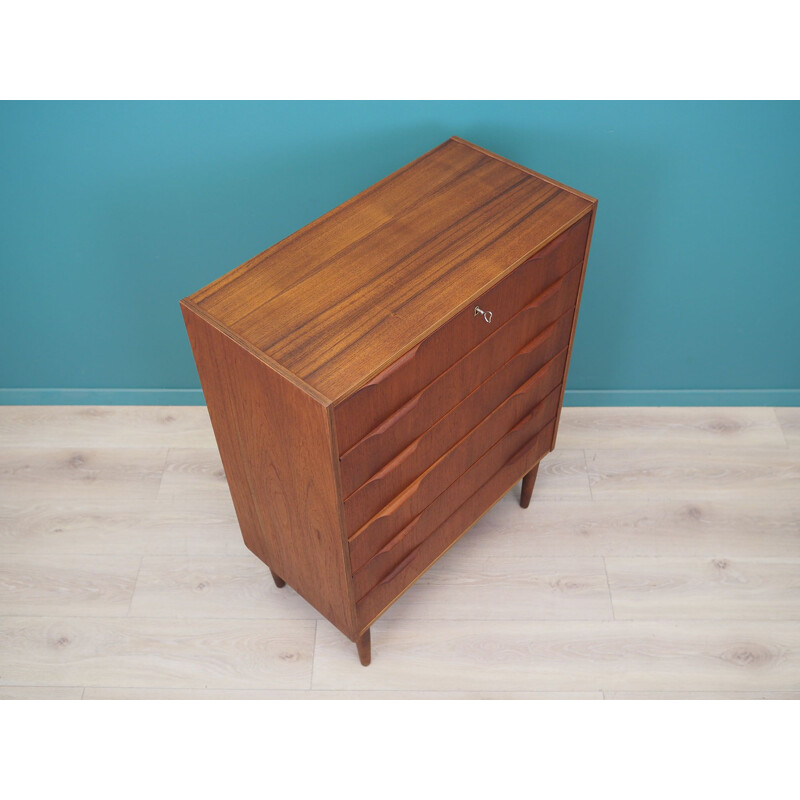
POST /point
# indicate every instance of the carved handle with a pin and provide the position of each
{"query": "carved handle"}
(400, 567)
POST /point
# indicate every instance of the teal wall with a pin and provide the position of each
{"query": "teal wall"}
(111, 212)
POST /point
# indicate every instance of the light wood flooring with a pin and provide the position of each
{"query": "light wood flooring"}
(660, 558)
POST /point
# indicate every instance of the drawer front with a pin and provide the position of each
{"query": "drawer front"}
(469, 429)
(549, 315)
(481, 453)
(420, 549)
(358, 414)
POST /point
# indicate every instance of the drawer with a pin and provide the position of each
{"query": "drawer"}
(481, 453)
(469, 429)
(421, 548)
(543, 323)
(358, 414)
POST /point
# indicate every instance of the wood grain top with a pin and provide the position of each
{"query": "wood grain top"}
(337, 301)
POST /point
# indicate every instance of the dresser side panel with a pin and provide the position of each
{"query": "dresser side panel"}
(574, 321)
(275, 443)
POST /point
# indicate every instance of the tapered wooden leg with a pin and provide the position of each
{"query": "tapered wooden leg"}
(364, 648)
(279, 582)
(527, 487)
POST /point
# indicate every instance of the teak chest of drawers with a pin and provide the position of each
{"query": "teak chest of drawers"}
(379, 379)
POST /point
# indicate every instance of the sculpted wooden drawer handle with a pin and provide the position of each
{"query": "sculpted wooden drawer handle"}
(487, 315)
(400, 567)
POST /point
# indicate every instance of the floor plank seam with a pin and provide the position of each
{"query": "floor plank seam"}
(588, 475)
(135, 585)
(608, 586)
(140, 618)
(330, 691)
(313, 656)
(547, 620)
(780, 427)
(37, 686)
(163, 472)
(303, 691)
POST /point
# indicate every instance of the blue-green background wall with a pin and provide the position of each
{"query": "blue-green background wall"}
(111, 212)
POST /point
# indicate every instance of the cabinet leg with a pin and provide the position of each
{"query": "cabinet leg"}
(279, 582)
(364, 648)
(527, 487)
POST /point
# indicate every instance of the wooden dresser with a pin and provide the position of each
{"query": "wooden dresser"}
(382, 377)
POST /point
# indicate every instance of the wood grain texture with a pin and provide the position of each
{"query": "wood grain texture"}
(424, 553)
(84, 474)
(693, 428)
(201, 654)
(702, 588)
(344, 297)
(276, 446)
(510, 587)
(48, 528)
(206, 537)
(194, 506)
(451, 480)
(547, 556)
(67, 585)
(101, 503)
(105, 426)
(209, 586)
(701, 695)
(687, 525)
(567, 655)
(563, 475)
(526, 301)
(254, 694)
(192, 476)
(751, 473)
(789, 420)
(41, 692)
(452, 445)
(522, 167)
(480, 380)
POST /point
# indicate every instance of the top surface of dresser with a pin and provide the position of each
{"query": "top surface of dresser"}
(335, 303)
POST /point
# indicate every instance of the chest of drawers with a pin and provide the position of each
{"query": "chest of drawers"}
(379, 379)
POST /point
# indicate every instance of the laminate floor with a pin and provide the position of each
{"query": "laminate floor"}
(660, 558)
